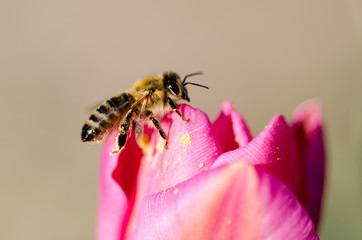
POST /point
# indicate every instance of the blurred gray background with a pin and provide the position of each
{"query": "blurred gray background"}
(58, 58)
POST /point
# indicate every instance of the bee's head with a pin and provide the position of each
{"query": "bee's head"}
(176, 87)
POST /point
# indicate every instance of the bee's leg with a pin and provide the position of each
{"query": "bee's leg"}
(122, 135)
(174, 107)
(160, 130)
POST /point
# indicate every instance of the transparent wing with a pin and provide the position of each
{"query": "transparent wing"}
(95, 106)
(141, 137)
(139, 131)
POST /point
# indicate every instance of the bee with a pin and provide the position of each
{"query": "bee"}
(149, 98)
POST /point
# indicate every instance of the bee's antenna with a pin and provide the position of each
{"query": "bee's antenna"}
(189, 75)
(195, 84)
(199, 85)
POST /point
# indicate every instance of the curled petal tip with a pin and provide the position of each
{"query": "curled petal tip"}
(231, 129)
(227, 107)
(309, 112)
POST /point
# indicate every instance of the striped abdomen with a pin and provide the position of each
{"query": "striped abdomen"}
(105, 117)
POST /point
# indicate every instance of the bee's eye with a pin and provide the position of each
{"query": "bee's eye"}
(174, 88)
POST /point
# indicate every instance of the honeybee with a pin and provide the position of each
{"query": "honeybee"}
(149, 98)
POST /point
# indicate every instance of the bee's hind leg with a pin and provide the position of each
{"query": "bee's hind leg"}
(174, 107)
(160, 130)
(121, 138)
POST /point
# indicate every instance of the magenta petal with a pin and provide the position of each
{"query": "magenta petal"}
(274, 149)
(307, 126)
(192, 148)
(231, 129)
(236, 201)
(117, 188)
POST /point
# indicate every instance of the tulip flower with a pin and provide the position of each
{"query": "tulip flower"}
(215, 181)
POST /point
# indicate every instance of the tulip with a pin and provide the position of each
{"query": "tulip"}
(215, 181)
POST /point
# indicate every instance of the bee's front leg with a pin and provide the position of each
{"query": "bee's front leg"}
(160, 130)
(174, 107)
(121, 138)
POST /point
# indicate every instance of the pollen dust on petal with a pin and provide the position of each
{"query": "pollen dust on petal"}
(163, 193)
(186, 140)
(164, 166)
(159, 148)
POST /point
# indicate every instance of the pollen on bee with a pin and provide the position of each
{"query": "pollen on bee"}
(144, 143)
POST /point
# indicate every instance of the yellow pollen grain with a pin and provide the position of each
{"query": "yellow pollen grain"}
(186, 140)
(163, 193)
(278, 159)
(202, 165)
(236, 139)
(164, 166)
(175, 191)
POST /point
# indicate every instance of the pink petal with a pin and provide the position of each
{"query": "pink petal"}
(117, 188)
(307, 126)
(231, 129)
(274, 149)
(236, 201)
(192, 148)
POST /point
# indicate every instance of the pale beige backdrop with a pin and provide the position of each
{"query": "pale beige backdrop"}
(57, 58)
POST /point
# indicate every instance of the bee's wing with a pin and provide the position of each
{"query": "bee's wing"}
(105, 136)
(138, 129)
(140, 122)
(94, 106)
(111, 133)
